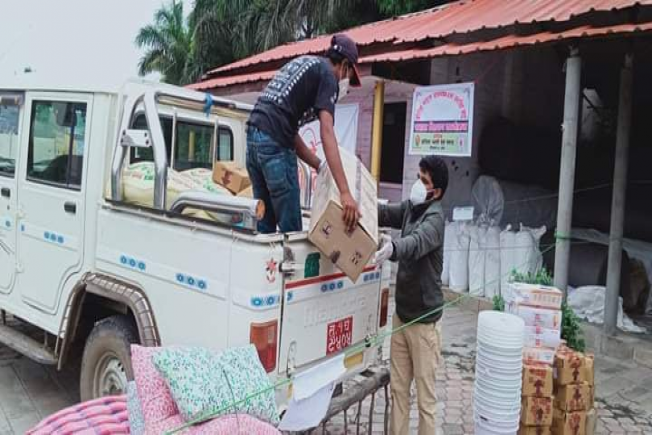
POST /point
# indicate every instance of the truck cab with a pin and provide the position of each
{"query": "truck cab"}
(85, 265)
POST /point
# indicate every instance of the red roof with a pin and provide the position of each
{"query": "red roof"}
(455, 18)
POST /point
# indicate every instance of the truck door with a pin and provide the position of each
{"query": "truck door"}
(11, 111)
(51, 195)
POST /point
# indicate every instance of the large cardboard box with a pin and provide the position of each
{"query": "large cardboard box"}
(540, 355)
(232, 176)
(589, 370)
(536, 336)
(534, 430)
(569, 368)
(533, 295)
(573, 397)
(247, 193)
(537, 317)
(591, 421)
(537, 380)
(536, 411)
(349, 250)
(568, 423)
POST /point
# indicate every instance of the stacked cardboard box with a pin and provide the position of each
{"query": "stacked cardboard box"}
(573, 389)
(232, 176)
(537, 404)
(540, 308)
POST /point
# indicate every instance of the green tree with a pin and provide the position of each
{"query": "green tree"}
(401, 7)
(168, 45)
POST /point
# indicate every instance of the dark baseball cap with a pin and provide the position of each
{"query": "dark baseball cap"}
(344, 45)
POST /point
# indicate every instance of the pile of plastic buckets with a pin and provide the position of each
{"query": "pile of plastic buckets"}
(498, 373)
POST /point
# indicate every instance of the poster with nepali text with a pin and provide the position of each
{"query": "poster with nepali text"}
(442, 120)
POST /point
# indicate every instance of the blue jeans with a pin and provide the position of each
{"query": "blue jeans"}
(273, 172)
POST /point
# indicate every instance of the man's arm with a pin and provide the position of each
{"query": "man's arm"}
(426, 238)
(305, 154)
(391, 215)
(351, 213)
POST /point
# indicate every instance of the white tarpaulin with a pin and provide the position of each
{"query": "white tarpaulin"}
(588, 304)
(346, 132)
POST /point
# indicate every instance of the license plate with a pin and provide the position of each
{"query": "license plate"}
(339, 335)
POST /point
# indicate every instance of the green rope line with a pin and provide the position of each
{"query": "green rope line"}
(373, 341)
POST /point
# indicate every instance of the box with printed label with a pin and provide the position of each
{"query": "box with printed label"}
(541, 355)
(573, 397)
(537, 380)
(536, 411)
(568, 423)
(589, 371)
(231, 175)
(591, 421)
(536, 336)
(540, 317)
(352, 250)
(534, 430)
(569, 368)
(533, 295)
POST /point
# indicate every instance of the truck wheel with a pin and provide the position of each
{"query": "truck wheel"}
(106, 364)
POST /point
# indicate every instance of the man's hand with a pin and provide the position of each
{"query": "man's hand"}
(350, 212)
(385, 252)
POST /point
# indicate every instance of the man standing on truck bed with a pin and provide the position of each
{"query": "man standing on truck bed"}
(415, 350)
(303, 90)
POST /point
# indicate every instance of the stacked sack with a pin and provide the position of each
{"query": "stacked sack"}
(574, 388)
(537, 403)
(540, 308)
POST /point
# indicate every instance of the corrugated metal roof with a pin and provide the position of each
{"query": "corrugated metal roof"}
(461, 17)
(508, 41)
(505, 42)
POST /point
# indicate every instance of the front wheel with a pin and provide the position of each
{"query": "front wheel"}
(106, 363)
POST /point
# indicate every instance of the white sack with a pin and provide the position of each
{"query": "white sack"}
(459, 259)
(492, 263)
(477, 255)
(588, 304)
(508, 259)
(449, 236)
(528, 254)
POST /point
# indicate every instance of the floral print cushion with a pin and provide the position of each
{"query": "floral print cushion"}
(204, 382)
(136, 421)
(156, 402)
(234, 424)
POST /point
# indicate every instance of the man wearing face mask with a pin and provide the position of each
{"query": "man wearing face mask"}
(303, 90)
(415, 349)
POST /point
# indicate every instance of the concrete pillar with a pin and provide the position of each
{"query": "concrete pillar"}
(567, 170)
(618, 199)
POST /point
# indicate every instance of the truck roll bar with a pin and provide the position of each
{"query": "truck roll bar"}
(252, 210)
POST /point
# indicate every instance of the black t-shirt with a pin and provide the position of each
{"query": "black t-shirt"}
(294, 97)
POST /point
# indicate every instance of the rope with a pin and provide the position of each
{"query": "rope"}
(373, 341)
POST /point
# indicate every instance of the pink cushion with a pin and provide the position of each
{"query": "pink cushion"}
(155, 398)
(234, 424)
(105, 416)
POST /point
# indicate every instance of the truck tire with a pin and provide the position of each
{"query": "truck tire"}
(106, 363)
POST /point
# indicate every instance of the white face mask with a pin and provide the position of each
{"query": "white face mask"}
(419, 193)
(344, 89)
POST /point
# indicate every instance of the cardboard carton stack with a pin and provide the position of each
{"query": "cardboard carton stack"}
(537, 403)
(232, 176)
(540, 308)
(573, 389)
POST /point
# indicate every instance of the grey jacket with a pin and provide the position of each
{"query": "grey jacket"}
(420, 255)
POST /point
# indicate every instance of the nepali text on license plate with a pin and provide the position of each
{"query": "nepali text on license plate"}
(339, 335)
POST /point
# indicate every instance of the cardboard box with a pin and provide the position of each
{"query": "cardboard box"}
(573, 397)
(540, 355)
(247, 193)
(349, 250)
(536, 411)
(569, 368)
(591, 421)
(568, 423)
(533, 295)
(232, 176)
(536, 336)
(539, 317)
(537, 380)
(534, 430)
(591, 402)
(589, 370)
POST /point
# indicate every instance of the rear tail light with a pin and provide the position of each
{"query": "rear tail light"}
(384, 307)
(265, 337)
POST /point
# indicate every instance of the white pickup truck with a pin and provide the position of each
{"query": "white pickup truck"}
(81, 264)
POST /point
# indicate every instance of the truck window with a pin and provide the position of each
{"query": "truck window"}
(56, 143)
(193, 147)
(147, 154)
(8, 138)
(224, 144)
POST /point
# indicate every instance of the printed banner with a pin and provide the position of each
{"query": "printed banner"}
(442, 120)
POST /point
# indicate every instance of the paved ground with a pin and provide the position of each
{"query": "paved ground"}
(29, 392)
